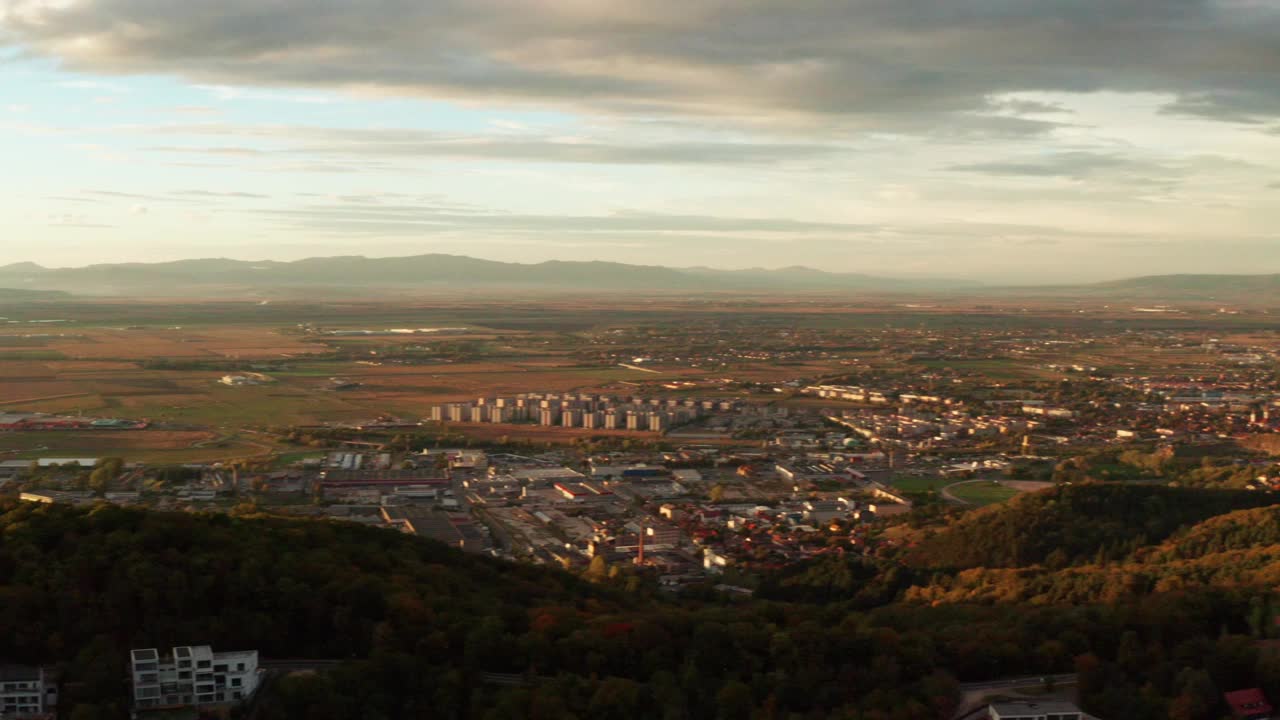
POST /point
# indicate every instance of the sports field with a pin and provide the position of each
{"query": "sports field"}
(982, 493)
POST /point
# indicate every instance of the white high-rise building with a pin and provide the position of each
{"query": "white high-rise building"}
(193, 676)
(26, 692)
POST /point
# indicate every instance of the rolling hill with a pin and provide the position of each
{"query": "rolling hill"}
(218, 277)
(359, 275)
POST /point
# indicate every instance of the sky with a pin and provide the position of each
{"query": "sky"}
(1022, 141)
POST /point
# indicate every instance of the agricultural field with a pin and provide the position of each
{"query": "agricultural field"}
(151, 446)
(346, 361)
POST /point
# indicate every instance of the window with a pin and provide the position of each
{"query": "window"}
(239, 667)
(203, 663)
(235, 682)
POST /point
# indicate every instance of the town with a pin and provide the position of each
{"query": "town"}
(702, 489)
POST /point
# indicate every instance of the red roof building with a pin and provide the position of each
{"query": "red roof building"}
(1249, 704)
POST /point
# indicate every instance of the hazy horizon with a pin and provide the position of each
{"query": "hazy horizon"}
(1001, 142)
(976, 281)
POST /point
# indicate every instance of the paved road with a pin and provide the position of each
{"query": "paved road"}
(974, 695)
(1019, 682)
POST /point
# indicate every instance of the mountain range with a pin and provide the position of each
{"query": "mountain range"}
(426, 272)
(357, 275)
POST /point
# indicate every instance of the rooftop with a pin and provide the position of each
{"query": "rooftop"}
(19, 673)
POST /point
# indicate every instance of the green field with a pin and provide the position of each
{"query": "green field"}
(983, 493)
(1004, 369)
(149, 446)
(913, 484)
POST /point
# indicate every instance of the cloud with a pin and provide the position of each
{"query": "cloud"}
(77, 220)
(668, 232)
(139, 207)
(119, 194)
(1132, 170)
(1074, 165)
(72, 198)
(879, 63)
(211, 150)
(215, 194)
(392, 144)
(93, 85)
(1022, 106)
(360, 217)
(1252, 106)
(194, 110)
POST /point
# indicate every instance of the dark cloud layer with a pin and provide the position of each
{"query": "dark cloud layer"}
(883, 63)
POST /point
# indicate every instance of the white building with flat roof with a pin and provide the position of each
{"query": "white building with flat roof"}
(26, 692)
(192, 676)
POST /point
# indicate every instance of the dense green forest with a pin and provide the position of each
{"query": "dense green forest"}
(1070, 524)
(844, 636)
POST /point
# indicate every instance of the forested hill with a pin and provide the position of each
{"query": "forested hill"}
(85, 586)
(1240, 530)
(1070, 525)
(419, 625)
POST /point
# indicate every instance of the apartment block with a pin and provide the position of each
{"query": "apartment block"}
(192, 676)
(26, 693)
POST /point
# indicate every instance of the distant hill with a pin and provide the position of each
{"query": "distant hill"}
(22, 295)
(213, 277)
(358, 275)
(1157, 288)
(1194, 286)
